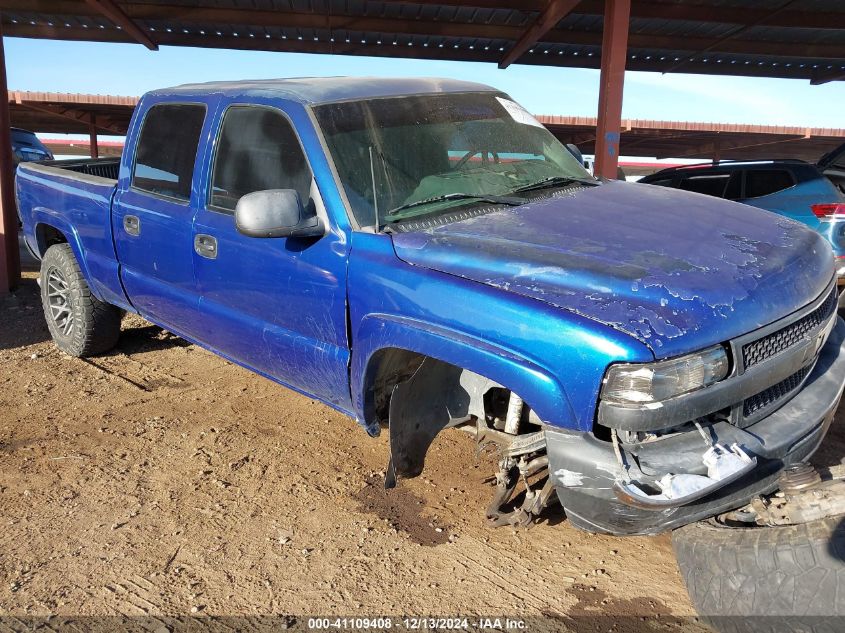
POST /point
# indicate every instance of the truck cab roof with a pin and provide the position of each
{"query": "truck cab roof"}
(317, 90)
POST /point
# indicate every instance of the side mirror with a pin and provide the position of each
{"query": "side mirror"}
(276, 213)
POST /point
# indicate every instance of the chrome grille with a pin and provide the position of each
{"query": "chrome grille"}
(770, 396)
(776, 342)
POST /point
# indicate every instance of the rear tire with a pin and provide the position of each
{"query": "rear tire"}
(80, 324)
(765, 579)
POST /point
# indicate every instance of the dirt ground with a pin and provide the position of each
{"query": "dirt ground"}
(162, 480)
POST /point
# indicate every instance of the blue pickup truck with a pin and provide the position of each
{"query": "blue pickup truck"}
(421, 254)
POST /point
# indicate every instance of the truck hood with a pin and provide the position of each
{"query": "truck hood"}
(677, 271)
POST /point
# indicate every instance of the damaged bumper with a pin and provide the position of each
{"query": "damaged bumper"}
(586, 472)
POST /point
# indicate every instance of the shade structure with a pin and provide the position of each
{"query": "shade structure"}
(800, 39)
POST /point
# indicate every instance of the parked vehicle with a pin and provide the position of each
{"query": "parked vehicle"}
(647, 368)
(811, 194)
(27, 147)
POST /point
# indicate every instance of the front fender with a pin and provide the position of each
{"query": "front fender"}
(535, 384)
(552, 358)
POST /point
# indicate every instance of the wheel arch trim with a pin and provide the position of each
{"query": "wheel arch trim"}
(42, 219)
(535, 384)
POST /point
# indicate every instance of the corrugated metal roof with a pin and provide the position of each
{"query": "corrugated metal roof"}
(62, 112)
(802, 38)
(692, 139)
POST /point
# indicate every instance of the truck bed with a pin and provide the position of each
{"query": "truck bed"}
(74, 197)
(101, 167)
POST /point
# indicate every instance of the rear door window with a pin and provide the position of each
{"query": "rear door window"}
(764, 182)
(708, 184)
(167, 150)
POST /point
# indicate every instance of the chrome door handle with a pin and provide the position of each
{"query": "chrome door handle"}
(205, 246)
(132, 225)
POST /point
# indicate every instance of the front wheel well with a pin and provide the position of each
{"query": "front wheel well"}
(390, 367)
(419, 396)
(387, 368)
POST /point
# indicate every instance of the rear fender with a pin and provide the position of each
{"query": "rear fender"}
(42, 219)
(99, 268)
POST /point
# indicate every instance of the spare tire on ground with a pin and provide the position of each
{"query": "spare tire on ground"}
(766, 579)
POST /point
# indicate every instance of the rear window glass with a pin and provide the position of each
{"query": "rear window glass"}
(762, 182)
(664, 182)
(167, 149)
(711, 185)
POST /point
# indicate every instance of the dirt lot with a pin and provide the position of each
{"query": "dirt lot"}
(162, 480)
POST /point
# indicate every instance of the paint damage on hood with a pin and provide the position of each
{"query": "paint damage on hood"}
(677, 271)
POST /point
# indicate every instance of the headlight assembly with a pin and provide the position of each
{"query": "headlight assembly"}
(643, 383)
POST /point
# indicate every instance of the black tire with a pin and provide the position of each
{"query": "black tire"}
(80, 324)
(766, 579)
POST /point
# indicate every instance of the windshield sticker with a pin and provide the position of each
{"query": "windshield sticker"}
(518, 113)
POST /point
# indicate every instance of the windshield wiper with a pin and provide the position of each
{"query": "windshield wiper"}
(556, 181)
(509, 200)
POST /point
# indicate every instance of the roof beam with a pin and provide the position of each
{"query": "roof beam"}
(114, 13)
(790, 18)
(740, 28)
(670, 11)
(709, 148)
(819, 78)
(760, 16)
(186, 15)
(518, 5)
(545, 22)
(387, 28)
(76, 116)
(631, 141)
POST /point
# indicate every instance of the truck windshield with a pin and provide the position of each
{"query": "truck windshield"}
(408, 157)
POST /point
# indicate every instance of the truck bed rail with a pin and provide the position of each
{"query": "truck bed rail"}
(102, 167)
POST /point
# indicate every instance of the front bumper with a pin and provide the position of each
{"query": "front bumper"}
(584, 468)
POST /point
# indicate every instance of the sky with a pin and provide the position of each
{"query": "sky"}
(131, 69)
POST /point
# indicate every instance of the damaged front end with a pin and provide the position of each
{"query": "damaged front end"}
(651, 465)
(724, 466)
(673, 442)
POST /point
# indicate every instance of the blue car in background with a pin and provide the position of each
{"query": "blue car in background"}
(27, 147)
(811, 194)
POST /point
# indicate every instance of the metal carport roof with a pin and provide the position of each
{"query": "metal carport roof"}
(709, 141)
(802, 39)
(53, 112)
(799, 38)
(65, 113)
